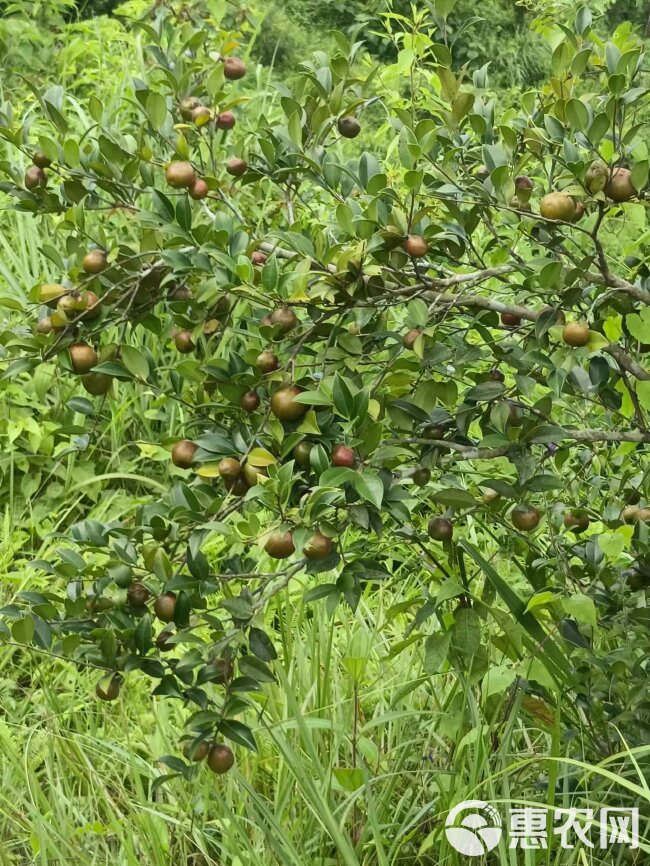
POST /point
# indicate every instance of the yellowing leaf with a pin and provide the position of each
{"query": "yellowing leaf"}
(208, 470)
(261, 457)
(613, 328)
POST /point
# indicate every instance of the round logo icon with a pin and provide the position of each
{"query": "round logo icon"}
(476, 833)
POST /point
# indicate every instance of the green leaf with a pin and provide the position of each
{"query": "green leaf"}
(156, 109)
(135, 362)
(466, 632)
(238, 733)
(455, 498)
(370, 487)
(436, 649)
(582, 608)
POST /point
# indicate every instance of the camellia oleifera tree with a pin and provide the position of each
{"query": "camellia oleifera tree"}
(390, 358)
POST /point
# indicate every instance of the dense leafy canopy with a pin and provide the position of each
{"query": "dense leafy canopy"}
(426, 356)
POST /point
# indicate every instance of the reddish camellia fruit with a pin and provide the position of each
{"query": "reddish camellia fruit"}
(267, 361)
(523, 188)
(343, 456)
(619, 186)
(199, 189)
(408, 340)
(226, 120)
(525, 517)
(285, 318)
(198, 753)
(165, 607)
(259, 258)
(183, 453)
(576, 521)
(234, 68)
(284, 405)
(35, 177)
(319, 546)
(236, 166)
(416, 246)
(279, 545)
(180, 175)
(82, 357)
(39, 159)
(440, 529)
(183, 342)
(250, 401)
(137, 594)
(220, 758)
(510, 320)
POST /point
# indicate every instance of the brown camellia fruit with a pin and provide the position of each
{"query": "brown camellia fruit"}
(421, 476)
(93, 305)
(236, 167)
(523, 188)
(580, 212)
(198, 753)
(187, 106)
(596, 177)
(285, 407)
(35, 177)
(221, 671)
(199, 189)
(410, 337)
(94, 262)
(619, 186)
(180, 175)
(201, 114)
(259, 258)
(576, 521)
(267, 361)
(440, 529)
(234, 68)
(319, 546)
(137, 594)
(183, 342)
(343, 456)
(510, 320)
(576, 334)
(416, 246)
(279, 545)
(82, 357)
(349, 127)
(220, 758)
(285, 318)
(630, 514)
(302, 453)
(165, 606)
(226, 120)
(39, 159)
(250, 401)
(557, 206)
(229, 468)
(45, 325)
(108, 689)
(183, 453)
(525, 517)
(97, 384)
